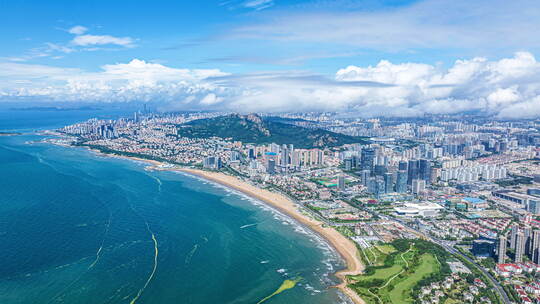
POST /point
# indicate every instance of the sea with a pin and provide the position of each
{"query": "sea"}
(77, 227)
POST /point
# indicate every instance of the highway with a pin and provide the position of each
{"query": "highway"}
(452, 250)
(500, 290)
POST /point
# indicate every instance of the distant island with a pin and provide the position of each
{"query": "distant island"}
(264, 130)
(56, 109)
(9, 133)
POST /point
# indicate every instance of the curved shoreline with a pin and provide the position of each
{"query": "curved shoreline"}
(345, 247)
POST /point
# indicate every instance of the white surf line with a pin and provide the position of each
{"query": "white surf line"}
(159, 182)
(190, 254)
(98, 253)
(248, 225)
(156, 252)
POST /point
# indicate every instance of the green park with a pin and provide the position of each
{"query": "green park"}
(396, 270)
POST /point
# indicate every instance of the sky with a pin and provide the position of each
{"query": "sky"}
(369, 58)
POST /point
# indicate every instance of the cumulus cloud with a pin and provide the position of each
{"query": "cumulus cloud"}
(137, 80)
(78, 30)
(476, 84)
(89, 40)
(506, 88)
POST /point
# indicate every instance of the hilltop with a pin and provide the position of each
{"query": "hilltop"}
(258, 130)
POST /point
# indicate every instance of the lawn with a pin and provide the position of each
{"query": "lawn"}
(374, 256)
(382, 273)
(401, 291)
(386, 249)
(393, 284)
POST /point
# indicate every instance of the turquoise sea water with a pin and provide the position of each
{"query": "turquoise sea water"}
(80, 228)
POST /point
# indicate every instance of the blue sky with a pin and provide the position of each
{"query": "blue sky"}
(88, 44)
(198, 34)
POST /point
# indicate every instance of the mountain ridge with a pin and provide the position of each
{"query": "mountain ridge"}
(252, 128)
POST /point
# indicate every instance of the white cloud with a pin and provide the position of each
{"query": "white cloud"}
(78, 30)
(509, 87)
(92, 40)
(81, 42)
(137, 80)
(426, 24)
(52, 47)
(211, 99)
(258, 4)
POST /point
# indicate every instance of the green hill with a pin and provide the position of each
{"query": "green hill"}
(254, 129)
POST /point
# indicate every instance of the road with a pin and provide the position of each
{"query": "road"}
(498, 287)
(495, 283)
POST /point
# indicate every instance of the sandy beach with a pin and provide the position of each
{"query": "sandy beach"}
(345, 247)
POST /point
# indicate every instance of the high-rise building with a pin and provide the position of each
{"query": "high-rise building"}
(501, 250)
(401, 181)
(219, 163)
(284, 156)
(520, 247)
(381, 188)
(379, 170)
(402, 165)
(341, 182)
(365, 177)
(424, 170)
(347, 162)
(534, 206)
(412, 171)
(212, 162)
(371, 184)
(296, 161)
(418, 186)
(367, 159)
(388, 182)
(209, 162)
(376, 186)
(251, 153)
(535, 247)
(271, 166)
(527, 231)
(235, 156)
(355, 161)
(513, 235)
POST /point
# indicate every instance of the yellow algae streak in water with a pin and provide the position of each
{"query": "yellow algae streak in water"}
(287, 284)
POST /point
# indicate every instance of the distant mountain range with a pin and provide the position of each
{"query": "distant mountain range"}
(56, 109)
(255, 129)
